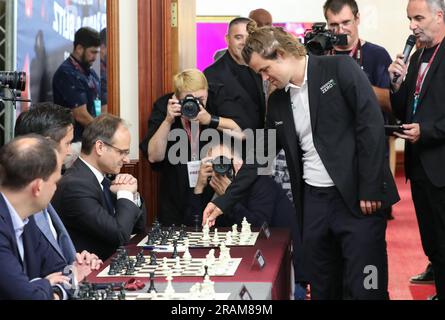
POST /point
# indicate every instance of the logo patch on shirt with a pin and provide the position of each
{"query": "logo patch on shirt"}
(328, 86)
(278, 123)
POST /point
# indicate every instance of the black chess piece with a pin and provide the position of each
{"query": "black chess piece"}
(153, 261)
(152, 283)
(121, 295)
(175, 249)
(206, 271)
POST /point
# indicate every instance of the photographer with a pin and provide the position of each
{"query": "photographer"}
(190, 103)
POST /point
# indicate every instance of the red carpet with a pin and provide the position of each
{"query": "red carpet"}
(405, 253)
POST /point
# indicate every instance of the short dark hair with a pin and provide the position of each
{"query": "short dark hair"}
(238, 20)
(47, 119)
(337, 5)
(103, 37)
(102, 128)
(25, 159)
(87, 37)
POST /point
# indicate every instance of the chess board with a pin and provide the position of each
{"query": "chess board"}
(193, 268)
(196, 241)
(175, 296)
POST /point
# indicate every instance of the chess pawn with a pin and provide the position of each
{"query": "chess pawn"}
(228, 238)
(169, 290)
(216, 237)
(234, 230)
(153, 295)
(208, 288)
(187, 257)
(178, 263)
(165, 264)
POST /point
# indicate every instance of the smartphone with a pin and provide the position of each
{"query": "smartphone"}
(390, 129)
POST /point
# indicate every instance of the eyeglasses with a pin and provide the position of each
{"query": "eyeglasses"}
(123, 153)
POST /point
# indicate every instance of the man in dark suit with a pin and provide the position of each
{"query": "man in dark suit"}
(29, 170)
(56, 123)
(101, 215)
(328, 121)
(242, 87)
(418, 99)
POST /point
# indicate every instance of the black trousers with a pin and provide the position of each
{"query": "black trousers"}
(342, 251)
(429, 202)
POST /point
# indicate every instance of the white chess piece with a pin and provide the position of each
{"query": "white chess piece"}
(208, 288)
(153, 295)
(169, 290)
(234, 230)
(245, 227)
(216, 236)
(187, 257)
(178, 263)
(228, 238)
(165, 266)
(206, 232)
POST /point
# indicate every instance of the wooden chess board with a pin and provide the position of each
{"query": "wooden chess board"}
(193, 268)
(196, 241)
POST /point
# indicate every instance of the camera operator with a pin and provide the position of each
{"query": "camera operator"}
(191, 102)
(343, 17)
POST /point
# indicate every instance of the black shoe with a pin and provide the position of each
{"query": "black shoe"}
(426, 277)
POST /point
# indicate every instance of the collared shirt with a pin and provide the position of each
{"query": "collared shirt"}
(121, 194)
(50, 223)
(314, 172)
(19, 226)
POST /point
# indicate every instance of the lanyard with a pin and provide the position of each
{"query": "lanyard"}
(91, 82)
(421, 77)
(356, 53)
(192, 129)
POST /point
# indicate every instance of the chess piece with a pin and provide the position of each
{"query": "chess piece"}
(187, 257)
(169, 291)
(153, 259)
(165, 266)
(152, 283)
(208, 288)
(210, 257)
(234, 230)
(216, 237)
(175, 249)
(206, 271)
(206, 232)
(245, 227)
(178, 263)
(229, 238)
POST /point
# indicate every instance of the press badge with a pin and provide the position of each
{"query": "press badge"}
(97, 107)
(193, 171)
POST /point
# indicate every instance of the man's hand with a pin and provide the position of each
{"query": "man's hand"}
(89, 259)
(173, 110)
(370, 207)
(205, 172)
(124, 182)
(220, 184)
(397, 67)
(211, 212)
(411, 132)
(58, 278)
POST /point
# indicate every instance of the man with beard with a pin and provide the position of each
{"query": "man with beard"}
(77, 86)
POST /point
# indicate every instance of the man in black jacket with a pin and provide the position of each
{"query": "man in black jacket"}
(328, 121)
(419, 100)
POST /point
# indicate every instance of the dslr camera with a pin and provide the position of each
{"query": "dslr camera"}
(319, 40)
(223, 166)
(190, 106)
(13, 80)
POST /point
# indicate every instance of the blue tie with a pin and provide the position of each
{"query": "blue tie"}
(106, 183)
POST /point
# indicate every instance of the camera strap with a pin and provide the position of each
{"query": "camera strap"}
(355, 53)
(192, 129)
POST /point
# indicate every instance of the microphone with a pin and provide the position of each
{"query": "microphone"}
(410, 43)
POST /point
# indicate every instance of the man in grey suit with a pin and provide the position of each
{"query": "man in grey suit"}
(55, 122)
(328, 121)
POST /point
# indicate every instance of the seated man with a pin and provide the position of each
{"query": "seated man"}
(55, 122)
(101, 215)
(167, 118)
(29, 170)
(265, 201)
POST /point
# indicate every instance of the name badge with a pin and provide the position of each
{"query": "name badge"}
(97, 107)
(258, 260)
(193, 171)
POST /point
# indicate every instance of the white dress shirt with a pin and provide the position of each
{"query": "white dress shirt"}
(314, 172)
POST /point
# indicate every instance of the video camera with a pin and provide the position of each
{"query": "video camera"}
(13, 80)
(319, 40)
(190, 106)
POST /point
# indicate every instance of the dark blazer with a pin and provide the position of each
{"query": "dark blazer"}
(239, 107)
(347, 129)
(41, 260)
(430, 115)
(80, 202)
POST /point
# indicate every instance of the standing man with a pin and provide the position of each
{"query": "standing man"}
(241, 85)
(330, 125)
(417, 96)
(77, 86)
(101, 215)
(343, 17)
(29, 170)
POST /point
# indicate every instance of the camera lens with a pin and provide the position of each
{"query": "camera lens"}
(222, 166)
(190, 107)
(13, 80)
